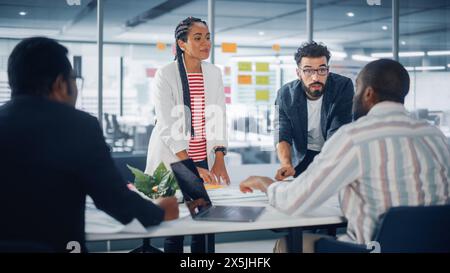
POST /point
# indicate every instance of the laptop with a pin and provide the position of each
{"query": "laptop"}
(198, 202)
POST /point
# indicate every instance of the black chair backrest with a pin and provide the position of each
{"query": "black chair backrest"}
(108, 123)
(415, 229)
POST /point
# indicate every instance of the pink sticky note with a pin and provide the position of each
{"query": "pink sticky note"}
(150, 72)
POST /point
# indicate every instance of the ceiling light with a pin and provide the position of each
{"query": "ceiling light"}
(384, 27)
(338, 54)
(382, 55)
(350, 14)
(401, 54)
(363, 58)
(438, 53)
(22, 13)
(261, 33)
(403, 42)
(26, 32)
(423, 68)
(412, 54)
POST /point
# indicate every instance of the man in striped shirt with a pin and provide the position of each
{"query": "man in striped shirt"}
(383, 159)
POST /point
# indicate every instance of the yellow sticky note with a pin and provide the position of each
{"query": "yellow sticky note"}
(262, 67)
(244, 79)
(213, 187)
(262, 80)
(245, 66)
(262, 95)
(229, 47)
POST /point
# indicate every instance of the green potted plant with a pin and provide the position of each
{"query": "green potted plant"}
(161, 184)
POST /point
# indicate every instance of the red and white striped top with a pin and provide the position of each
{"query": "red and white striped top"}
(197, 144)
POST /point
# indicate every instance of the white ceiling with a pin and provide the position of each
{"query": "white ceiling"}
(424, 25)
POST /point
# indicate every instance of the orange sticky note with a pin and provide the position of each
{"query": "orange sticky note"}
(276, 47)
(161, 46)
(229, 47)
(244, 79)
(212, 187)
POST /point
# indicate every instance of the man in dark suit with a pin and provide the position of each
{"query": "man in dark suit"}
(310, 109)
(52, 156)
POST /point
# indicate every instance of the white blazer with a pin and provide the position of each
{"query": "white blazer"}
(169, 135)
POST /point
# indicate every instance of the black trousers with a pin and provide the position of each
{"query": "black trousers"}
(303, 165)
(175, 244)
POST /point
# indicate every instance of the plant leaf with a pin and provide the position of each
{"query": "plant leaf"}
(168, 185)
(159, 173)
(142, 181)
(162, 178)
(144, 187)
(138, 174)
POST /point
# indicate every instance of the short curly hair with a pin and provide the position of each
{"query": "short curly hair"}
(312, 49)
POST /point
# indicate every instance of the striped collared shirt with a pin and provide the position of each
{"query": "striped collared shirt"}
(383, 160)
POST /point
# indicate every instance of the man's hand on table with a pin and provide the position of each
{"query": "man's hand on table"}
(255, 183)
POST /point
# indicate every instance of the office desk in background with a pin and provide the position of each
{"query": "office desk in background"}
(328, 216)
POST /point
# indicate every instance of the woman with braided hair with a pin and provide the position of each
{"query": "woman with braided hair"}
(189, 104)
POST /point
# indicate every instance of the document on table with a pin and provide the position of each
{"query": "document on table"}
(97, 221)
(226, 194)
(232, 194)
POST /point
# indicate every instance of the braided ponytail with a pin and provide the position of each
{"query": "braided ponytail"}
(181, 33)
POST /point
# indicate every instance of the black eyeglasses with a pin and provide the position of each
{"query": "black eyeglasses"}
(308, 72)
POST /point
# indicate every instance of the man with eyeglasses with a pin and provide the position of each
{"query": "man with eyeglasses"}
(53, 155)
(310, 109)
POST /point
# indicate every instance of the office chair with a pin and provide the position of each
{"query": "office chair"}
(403, 229)
(115, 137)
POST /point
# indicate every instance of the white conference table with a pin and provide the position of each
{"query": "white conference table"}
(328, 216)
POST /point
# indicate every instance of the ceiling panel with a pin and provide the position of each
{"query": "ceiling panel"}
(424, 24)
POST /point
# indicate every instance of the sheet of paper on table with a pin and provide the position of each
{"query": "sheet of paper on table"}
(97, 221)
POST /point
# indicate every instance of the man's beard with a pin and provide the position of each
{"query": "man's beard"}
(314, 93)
(358, 110)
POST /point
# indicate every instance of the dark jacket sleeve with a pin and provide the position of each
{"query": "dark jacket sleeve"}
(102, 181)
(343, 108)
(282, 123)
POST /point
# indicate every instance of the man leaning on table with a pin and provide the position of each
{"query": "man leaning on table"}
(384, 159)
(52, 156)
(310, 109)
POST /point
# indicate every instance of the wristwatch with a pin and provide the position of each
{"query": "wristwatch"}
(221, 149)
